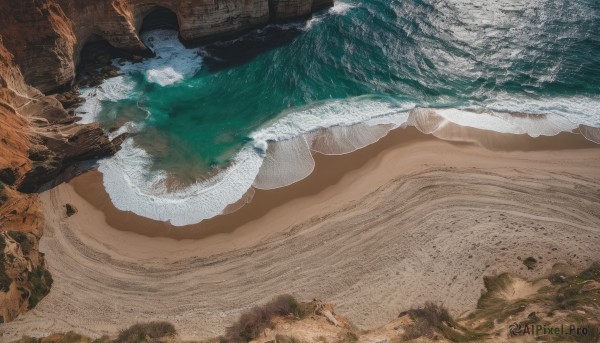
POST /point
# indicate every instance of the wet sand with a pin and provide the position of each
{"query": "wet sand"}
(406, 220)
(329, 170)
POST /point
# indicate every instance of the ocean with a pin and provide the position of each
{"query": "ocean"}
(209, 123)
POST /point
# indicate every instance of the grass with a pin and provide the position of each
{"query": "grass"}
(592, 273)
(351, 337)
(571, 294)
(41, 281)
(254, 321)
(286, 339)
(147, 332)
(576, 297)
(69, 337)
(138, 333)
(432, 319)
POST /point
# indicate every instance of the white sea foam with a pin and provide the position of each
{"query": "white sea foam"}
(133, 186)
(576, 109)
(173, 63)
(280, 152)
(339, 8)
(113, 89)
(345, 112)
(532, 125)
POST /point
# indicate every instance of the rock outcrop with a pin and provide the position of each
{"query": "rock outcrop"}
(47, 36)
(41, 42)
(38, 139)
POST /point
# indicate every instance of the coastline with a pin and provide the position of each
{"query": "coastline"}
(408, 219)
(329, 171)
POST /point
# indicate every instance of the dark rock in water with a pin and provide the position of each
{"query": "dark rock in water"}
(83, 142)
(221, 55)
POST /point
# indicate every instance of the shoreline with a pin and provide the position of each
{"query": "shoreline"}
(90, 187)
(406, 220)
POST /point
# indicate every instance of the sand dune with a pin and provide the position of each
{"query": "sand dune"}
(407, 220)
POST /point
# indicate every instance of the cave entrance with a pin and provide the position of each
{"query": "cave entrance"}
(95, 55)
(160, 18)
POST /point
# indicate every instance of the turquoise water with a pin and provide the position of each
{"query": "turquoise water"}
(527, 56)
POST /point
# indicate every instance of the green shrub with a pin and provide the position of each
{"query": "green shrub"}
(351, 337)
(253, 322)
(434, 318)
(592, 273)
(286, 339)
(146, 332)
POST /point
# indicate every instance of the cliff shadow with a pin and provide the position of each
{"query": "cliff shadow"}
(95, 61)
(159, 17)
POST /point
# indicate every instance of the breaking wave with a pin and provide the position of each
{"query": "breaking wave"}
(279, 151)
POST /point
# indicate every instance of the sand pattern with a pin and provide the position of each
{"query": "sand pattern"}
(420, 222)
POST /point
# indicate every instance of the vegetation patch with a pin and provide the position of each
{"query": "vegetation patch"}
(70, 210)
(567, 300)
(149, 332)
(254, 321)
(433, 319)
(351, 337)
(286, 339)
(41, 281)
(530, 263)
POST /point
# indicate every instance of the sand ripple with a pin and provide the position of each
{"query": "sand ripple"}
(429, 234)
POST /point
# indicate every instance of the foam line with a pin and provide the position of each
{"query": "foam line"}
(280, 151)
(285, 163)
(132, 186)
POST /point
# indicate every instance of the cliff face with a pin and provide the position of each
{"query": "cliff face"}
(40, 46)
(46, 36)
(38, 139)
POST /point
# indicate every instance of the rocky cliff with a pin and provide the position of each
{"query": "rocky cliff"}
(41, 42)
(39, 138)
(47, 36)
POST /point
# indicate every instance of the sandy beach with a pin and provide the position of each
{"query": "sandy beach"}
(409, 219)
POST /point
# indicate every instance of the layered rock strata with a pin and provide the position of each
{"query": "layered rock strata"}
(47, 36)
(41, 44)
(38, 139)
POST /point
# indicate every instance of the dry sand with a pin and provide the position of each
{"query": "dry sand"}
(407, 220)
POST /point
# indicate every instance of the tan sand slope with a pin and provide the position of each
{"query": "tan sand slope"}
(405, 221)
